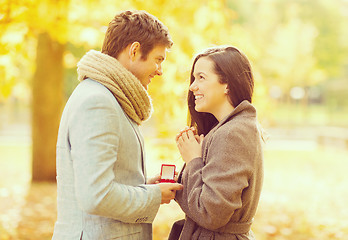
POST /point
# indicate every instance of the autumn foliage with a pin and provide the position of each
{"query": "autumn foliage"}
(298, 51)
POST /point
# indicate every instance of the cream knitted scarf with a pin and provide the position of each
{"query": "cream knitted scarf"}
(126, 88)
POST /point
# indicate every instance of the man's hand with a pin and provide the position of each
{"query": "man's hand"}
(156, 179)
(168, 191)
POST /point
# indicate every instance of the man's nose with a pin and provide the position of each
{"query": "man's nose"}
(159, 71)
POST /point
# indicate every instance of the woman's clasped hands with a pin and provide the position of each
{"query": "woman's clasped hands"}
(189, 144)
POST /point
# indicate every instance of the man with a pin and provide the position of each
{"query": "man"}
(101, 184)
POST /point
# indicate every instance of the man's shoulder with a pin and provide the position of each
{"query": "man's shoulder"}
(90, 93)
(90, 89)
(89, 86)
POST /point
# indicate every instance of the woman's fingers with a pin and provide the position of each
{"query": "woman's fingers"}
(181, 133)
(201, 138)
(187, 134)
(179, 141)
(190, 134)
(194, 130)
(184, 136)
(177, 136)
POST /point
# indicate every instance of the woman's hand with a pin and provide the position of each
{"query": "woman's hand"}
(189, 144)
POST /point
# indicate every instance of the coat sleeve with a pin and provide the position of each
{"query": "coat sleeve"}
(213, 191)
(94, 131)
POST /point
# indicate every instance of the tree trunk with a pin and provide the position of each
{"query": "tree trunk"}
(47, 104)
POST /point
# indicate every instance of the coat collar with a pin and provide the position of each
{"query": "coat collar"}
(245, 109)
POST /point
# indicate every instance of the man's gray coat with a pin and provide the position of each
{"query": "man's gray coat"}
(101, 171)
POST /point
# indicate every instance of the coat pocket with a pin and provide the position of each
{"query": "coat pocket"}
(136, 235)
(113, 229)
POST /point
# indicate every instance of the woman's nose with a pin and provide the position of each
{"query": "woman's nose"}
(193, 87)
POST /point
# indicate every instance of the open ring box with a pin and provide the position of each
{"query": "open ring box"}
(167, 173)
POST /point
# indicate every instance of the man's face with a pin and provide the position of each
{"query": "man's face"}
(147, 69)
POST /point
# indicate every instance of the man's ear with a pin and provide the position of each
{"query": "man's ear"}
(134, 50)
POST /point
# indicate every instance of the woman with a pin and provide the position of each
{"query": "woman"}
(223, 171)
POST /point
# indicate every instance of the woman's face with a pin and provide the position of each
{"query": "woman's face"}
(209, 93)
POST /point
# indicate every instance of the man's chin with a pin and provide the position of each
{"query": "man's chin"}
(145, 86)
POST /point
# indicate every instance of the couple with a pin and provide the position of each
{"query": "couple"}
(102, 188)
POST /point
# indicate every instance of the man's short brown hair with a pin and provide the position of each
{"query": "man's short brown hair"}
(135, 26)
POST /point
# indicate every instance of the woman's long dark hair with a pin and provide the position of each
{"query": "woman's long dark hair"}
(233, 68)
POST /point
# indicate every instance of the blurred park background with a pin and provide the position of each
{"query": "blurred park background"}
(299, 52)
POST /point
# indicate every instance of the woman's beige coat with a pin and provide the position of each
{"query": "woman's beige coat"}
(222, 189)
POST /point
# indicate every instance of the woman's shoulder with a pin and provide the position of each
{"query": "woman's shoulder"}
(239, 123)
(242, 130)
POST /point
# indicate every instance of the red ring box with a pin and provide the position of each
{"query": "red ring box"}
(167, 173)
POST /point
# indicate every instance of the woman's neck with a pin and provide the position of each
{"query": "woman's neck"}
(223, 110)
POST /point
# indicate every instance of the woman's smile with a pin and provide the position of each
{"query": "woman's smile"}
(199, 96)
(207, 89)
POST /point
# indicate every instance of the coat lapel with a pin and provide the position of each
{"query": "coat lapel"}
(141, 142)
(240, 108)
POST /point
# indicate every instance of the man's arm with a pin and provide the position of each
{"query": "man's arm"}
(94, 139)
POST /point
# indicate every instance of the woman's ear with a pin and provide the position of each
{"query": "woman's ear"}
(226, 90)
(134, 50)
